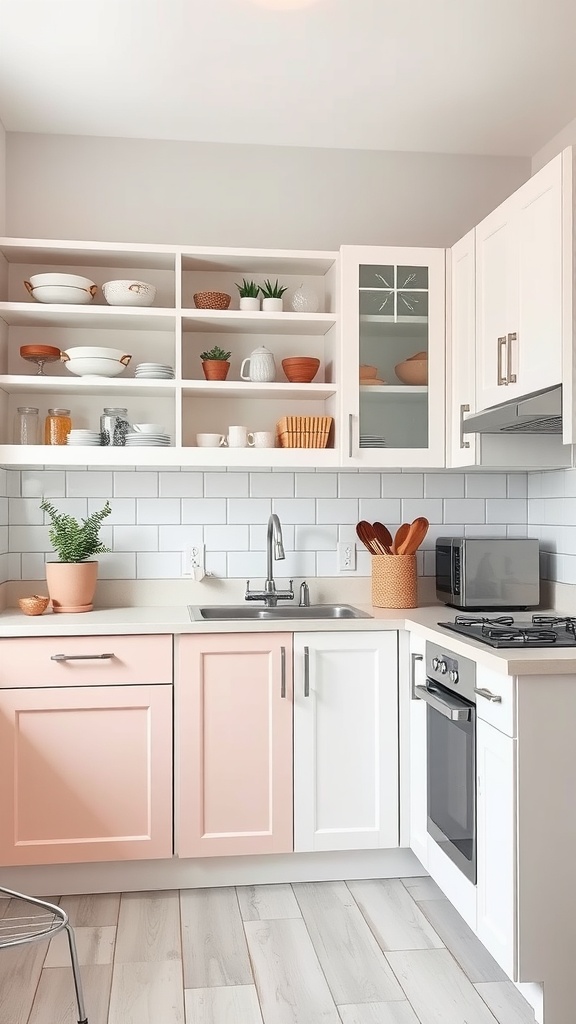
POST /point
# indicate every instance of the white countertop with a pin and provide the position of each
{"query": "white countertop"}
(176, 619)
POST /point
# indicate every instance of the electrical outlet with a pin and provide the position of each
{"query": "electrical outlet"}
(193, 559)
(346, 554)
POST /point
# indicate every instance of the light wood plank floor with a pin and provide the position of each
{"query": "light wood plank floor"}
(375, 952)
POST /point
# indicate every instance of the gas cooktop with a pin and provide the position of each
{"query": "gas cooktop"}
(505, 631)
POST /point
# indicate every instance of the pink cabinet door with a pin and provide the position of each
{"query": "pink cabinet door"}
(234, 736)
(85, 774)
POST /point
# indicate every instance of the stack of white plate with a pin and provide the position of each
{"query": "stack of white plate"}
(77, 437)
(137, 439)
(156, 371)
(372, 441)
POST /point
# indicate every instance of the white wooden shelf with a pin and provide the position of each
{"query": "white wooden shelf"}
(393, 390)
(249, 389)
(28, 314)
(63, 456)
(233, 321)
(112, 386)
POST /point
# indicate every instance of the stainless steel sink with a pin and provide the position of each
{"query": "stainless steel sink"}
(223, 612)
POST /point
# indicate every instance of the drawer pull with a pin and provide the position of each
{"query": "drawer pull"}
(494, 697)
(283, 671)
(306, 671)
(80, 657)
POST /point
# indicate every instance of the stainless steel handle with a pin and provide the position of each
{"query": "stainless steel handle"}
(80, 657)
(510, 377)
(306, 671)
(282, 671)
(350, 434)
(502, 378)
(463, 409)
(494, 697)
(456, 712)
(413, 659)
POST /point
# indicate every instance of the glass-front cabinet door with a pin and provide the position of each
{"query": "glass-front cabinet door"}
(393, 333)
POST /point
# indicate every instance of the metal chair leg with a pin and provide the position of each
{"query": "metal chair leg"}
(82, 1018)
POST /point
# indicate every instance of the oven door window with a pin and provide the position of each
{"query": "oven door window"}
(452, 788)
(444, 568)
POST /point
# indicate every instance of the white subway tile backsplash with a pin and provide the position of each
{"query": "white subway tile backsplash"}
(486, 485)
(464, 510)
(506, 510)
(429, 507)
(316, 538)
(316, 485)
(485, 530)
(226, 485)
(297, 510)
(402, 485)
(271, 485)
(14, 565)
(136, 485)
(22, 511)
(517, 485)
(158, 510)
(119, 565)
(135, 538)
(3, 482)
(77, 507)
(158, 565)
(227, 538)
(363, 485)
(89, 485)
(40, 484)
(336, 510)
(33, 566)
(13, 483)
(250, 510)
(259, 532)
(176, 538)
(381, 510)
(4, 547)
(181, 485)
(28, 538)
(123, 510)
(203, 510)
(216, 564)
(247, 565)
(444, 485)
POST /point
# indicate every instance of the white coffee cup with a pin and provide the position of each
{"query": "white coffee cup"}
(263, 439)
(238, 437)
(210, 440)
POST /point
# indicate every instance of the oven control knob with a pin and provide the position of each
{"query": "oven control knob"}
(435, 663)
(454, 677)
(443, 668)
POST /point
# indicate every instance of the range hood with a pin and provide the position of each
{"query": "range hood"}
(539, 413)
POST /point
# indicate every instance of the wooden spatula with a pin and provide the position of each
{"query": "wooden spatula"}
(400, 537)
(365, 531)
(416, 533)
(384, 537)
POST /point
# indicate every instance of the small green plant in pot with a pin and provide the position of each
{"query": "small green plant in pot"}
(72, 579)
(272, 296)
(249, 293)
(215, 363)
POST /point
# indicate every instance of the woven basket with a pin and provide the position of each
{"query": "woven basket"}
(34, 605)
(303, 431)
(212, 300)
(394, 583)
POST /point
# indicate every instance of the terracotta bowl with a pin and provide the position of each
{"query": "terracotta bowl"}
(300, 369)
(412, 371)
(34, 605)
(212, 300)
(366, 372)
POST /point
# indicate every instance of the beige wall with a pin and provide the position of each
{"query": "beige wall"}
(2, 179)
(209, 194)
(566, 137)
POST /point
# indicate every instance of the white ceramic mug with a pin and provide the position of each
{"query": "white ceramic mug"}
(263, 439)
(238, 437)
(210, 440)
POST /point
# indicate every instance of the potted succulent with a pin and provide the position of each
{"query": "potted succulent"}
(272, 296)
(72, 579)
(215, 363)
(249, 294)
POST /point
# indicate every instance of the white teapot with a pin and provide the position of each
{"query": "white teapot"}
(261, 366)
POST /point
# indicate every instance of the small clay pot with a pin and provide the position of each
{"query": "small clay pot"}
(215, 369)
(300, 369)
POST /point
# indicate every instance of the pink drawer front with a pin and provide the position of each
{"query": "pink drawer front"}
(76, 661)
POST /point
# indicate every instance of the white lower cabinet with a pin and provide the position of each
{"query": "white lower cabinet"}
(496, 837)
(418, 749)
(345, 741)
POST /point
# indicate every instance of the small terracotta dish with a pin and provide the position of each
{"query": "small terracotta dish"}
(34, 605)
(412, 371)
(300, 369)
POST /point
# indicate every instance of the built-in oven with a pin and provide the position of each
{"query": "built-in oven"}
(451, 755)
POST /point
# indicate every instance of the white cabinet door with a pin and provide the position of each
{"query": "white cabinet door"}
(496, 825)
(461, 368)
(418, 750)
(520, 291)
(345, 741)
(393, 309)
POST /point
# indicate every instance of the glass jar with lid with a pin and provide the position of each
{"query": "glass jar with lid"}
(114, 426)
(26, 425)
(57, 426)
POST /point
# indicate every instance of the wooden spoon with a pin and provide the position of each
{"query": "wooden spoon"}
(415, 536)
(365, 531)
(400, 537)
(384, 537)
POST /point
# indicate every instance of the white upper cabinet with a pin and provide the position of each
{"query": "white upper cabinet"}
(393, 366)
(460, 365)
(519, 291)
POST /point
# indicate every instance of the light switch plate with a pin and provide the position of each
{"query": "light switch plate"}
(346, 555)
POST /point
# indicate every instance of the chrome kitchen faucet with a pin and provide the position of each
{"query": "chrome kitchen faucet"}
(274, 549)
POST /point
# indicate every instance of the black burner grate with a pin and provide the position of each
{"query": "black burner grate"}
(469, 620)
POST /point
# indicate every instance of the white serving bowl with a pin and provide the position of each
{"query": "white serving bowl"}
(95, 362)
(94, 352)
(129, 293)
(61, 288)
(148, 428)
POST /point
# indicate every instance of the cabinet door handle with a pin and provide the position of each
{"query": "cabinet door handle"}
(502, 343)
(463, 443)
(494, 697)
(350, 434)
(510, 377)
(282, 671)
(80, 657)
(413, 659)
(306, 671)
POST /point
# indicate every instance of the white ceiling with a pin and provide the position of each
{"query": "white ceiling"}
(448, 76)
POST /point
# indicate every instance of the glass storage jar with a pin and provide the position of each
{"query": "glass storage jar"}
(114, 426)
(26, 425)
(57, 426)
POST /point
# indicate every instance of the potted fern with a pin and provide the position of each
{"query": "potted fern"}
(249, 294)
(72, 579)
(272, 296)
(215, 363)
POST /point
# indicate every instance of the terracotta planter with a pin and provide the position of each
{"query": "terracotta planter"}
(215, 369)
(71, 585)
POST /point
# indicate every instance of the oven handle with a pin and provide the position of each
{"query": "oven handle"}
(452, 710)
